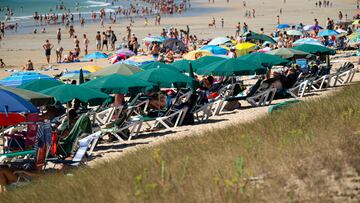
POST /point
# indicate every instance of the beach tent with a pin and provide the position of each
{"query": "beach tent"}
(315, 49)
(92, 68)
(125, 52)
(294, 33)
(138, 60)
(96, 55)
(282, 26)
(307, 41)
(287, 53)
(219, 41)
(17, 79)
(118, 68)
(117, 84)
(37, 99)
(327, 33)
(66, 93)
(266, 60)
(13, 103)
(215, 49)
(157, 65)
(232, 67)
(74, 75)
(192, 55)
(174, 44)
(41, 84)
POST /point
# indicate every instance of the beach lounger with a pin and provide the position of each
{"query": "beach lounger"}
(344, 77)
(263, 98)
(166, 120)
(299, 89)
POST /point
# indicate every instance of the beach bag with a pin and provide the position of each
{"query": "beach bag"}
(232, 105)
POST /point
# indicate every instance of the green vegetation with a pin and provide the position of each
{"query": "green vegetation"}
(308, 152)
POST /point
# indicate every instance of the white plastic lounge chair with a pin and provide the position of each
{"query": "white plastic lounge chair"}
(166, 120)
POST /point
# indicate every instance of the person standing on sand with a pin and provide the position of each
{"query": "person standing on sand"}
(222, 22)
(86, 44)
(47, 47)
(98, 41)
(58, 35)
(238, 29)
(2, 64)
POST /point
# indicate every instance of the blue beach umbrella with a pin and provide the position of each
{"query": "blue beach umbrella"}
(327, 33)
(282, 26)
(96, 55)
(17, 79)
(214, 49)
(12, 103)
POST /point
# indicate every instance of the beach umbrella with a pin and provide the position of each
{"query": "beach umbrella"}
(66, 93)
(117, 84)
(154, 39)
(282, 26)
(157, 65)
(340, 31)
(163, 77)
(118, 68)
(307, 41)
(13, 103)
(96, 55)
(205, 61)
(312, 27)
(356, 22)
(125, 52)
(244, 48)
(327, 33)
(262, 37)
(192, 55)
(287, 53)
(138, 60)
(37, 99)
(294, 33)
(219, 41)
(354, 38)
(11, 119)
(266, 60)
(264, 50)
(174, 44)
(92, 68)
(214, 49)
(41, 84)
(75, 75)
(17, 79)
(315, 49)
(182, 65)
(231, 67)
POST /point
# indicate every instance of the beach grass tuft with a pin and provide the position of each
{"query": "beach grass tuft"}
(307, 152)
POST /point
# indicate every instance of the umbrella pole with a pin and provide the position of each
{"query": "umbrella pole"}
(328, 61)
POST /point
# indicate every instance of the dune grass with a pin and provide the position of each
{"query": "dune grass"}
(309, 152)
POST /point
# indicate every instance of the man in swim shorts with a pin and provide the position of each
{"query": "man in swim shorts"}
(47, 47)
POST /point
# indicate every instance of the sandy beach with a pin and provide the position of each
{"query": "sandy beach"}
(16, 49)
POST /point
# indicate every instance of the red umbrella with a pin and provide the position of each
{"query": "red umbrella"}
(11, 119)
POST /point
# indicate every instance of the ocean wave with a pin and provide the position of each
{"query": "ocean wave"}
(97, 4)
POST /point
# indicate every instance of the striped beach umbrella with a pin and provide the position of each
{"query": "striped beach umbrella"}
(17, 79)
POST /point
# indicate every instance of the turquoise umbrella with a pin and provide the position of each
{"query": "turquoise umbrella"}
(315, 49)
(182, 65)
(266, 60)
(327, 33)
(41, 84)
(205, 61)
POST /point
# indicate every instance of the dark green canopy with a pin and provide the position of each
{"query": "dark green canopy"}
(182, 65)
(40, 84)
(118, 68)
(205, 61)
(315, 49)
(36, 99)
(262, 37)
(266, 60)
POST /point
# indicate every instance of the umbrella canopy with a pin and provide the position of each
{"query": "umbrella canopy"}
(244, 48)
(117, 84)
(125, 52)
(356, 22)
(66, 93)
(11, 119)
(340, 31)
(205, 61)
(138, 60)
(41, 84)
(315, 49)
(232, 67)
(287, 53)
(75, 75)
(163, 77)
(17, 79)
(294, 33)
(154, 39)
(92, 68)
(118, 68)
(312, 27)
(266, 60)
(219, 41)
(214, 49)
(261, 37)
(35, 98)
(192, 55)
(157, 65)
(174, 44)
(354, 38)
(327, 33)
(282, 26)
(182, 65)
(13, 103)
(307, 41)
(96, 55)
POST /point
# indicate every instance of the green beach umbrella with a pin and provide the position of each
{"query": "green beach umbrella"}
(163, 77)
(287, 53)
(315, 49)
(205, 61)
(117, 84)
(66, 93)
(37, 99)
(266, 60)
(182, 65)
(158, 65)
(40, 84)
(261, 37)
(233, 67)
(118, 68)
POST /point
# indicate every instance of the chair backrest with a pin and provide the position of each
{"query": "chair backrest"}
(32, 128)
(254, 88)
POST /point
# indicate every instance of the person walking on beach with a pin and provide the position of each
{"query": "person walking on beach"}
(47, 47)
(113, 39)
(104, 41)
(76, 41)
(222, 22)
(238, 29)
(86, 44)
(58, 35)
(98, 41)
